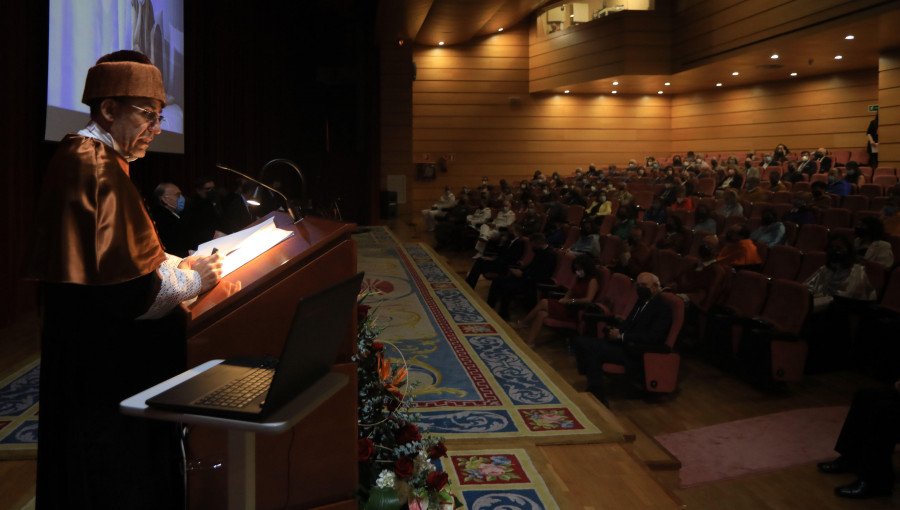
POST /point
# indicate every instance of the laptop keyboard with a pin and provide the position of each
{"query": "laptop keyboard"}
(240, 392)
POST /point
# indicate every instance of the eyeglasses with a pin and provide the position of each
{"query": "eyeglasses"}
(150, 116)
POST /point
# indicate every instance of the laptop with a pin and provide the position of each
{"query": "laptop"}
(310, 348)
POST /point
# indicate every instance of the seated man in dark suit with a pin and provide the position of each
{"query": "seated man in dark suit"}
(167, 209)
(511, 251)
(646, 326)
(524, 281)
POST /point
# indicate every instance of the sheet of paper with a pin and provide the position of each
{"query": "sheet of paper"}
(245, 245)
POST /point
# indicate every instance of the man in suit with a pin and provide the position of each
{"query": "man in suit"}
(646, 326)
(510, 253)
(807, 164)
(824, 162)
(524, 281)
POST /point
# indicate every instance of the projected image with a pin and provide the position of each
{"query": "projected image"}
(82, 31)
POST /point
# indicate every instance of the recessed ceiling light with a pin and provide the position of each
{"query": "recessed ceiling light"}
(838, 57)
(667, 84)
(793, 74)
(660, 92)
(500, 29)
(566, 91)
(774, 56)
(719, 84)
(615, 83)
(849, 37)
(615, 92)
(441, 43)
(571, 15)
(735, 73)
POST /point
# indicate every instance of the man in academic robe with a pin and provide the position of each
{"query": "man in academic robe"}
(110, 297)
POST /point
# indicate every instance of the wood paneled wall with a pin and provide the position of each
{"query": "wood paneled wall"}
(889, 108)
(709, 28)
(830, 112)
(471, 105)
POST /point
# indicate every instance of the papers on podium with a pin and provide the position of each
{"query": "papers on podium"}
(244, 245)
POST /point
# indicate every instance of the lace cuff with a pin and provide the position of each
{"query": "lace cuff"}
(176, 286)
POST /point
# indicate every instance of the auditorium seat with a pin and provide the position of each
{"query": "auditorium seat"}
(878, 203)
(781, 323)
(812, 261)
(650, 229)
(840, 157)
(783, 197)
(801, 186)
(606, 226)
(860, 156)
(572, 237)
(876, 273)
(744, 300)
(574, 214)
(686, 217)
(866, 171)
(706, 186)
(859, 215)
(836, 217)
(883, 170)
(610, 250)
(811, 237)
(871, 190)
(576, 324)
(782, 261)
(818, 178)
(667, 265)
(616, 301)
(885, 181)
(855, 202)
(790, 232)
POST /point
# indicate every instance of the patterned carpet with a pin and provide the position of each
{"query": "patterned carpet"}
(19, 412)
(473, 377)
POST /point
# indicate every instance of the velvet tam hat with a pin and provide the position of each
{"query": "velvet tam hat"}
(123, 79)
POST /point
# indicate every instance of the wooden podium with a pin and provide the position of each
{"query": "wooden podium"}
(314, 465)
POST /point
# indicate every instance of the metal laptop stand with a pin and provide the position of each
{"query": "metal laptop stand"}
(241, 434)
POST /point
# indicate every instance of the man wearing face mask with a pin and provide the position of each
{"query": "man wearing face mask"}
(836, 183)
(822, 161)
(840, 276)
(770, 231)
(167, 210)
(647, 325)
(807, 165)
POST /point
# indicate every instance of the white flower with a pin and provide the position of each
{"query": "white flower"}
(422, 463)
(386, 479)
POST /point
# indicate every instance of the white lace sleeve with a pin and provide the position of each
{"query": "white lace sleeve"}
(177, 285)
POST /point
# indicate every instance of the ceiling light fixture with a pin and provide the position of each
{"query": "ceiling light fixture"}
(774, 56)
(793, 74)
(615, 92)
(660, 92)
(566, 91)
(849, 37)
(441, 43)
(838, 57)
(500, 29)
(735, 73)
(615, 83)
(719, 84)
(667, 84)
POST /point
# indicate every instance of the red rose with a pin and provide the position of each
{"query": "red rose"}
(437, 451)
(403, 467)
(436, 481)
(408, 433)
(365, 449)
(377, 346)
(362, 311)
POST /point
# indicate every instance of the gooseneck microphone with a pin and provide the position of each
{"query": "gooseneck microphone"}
(264, 185)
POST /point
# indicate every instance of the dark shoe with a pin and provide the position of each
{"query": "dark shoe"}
(835, 467)
(862, 489)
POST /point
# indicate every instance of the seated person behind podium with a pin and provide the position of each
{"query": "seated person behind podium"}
(110, 295)
(646, 326)
(167, 210)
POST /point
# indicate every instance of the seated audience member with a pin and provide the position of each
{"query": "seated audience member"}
(730, 205)
(775, 183)
(202, 213)
(624, 222)
(739, 251)
(800, 212)
(780, 154)
(820, 198)
(871, 244)
(807, 164)
(770, 231)
(702, 285)
(682, 201)
(853, 175)
(589, 242)
(753, 193)
(676, 161)
(238, 214)
(822, 160)
(573, 197)
(523, 195)
(891, 219)
(751, 173)
(622, 194)
(840, 276)
(167, 208)
(510, 251)
(531, 221)
(646, 326)
(732, 180)
(567, 307)
(866, 443)
(657, 211)
(538, 178)
(481, 215)
(636, 256)
(702, 220)
(836, 183)
(792, 174)
(439, 209)
(674, 238)
(524, 281)
(491, 229)
(448, 232)
(670, 191)
(767, 161)
(599, 206)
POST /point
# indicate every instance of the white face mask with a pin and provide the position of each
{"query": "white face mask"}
(579, 273)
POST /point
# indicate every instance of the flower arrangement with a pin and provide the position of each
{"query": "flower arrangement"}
(395, 468)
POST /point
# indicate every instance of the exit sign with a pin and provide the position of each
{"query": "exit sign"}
(873, 107)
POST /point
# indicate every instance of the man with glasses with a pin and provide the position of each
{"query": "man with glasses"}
(110, 294)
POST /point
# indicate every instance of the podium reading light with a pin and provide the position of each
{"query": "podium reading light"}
(299, 174)
(270, 188)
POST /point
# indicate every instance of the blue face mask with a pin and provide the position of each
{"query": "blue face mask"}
(180, 205)
(830, 179)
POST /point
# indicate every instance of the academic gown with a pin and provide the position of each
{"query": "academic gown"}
(96, 254)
